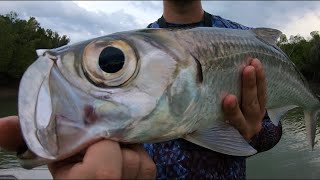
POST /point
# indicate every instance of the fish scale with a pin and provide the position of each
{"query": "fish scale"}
(269, 57)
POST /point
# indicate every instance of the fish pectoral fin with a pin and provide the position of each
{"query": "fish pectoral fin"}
(276, 113)
(267, 34)
(223, 139)
(310, 118)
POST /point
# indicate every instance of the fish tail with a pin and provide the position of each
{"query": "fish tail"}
(311, 119)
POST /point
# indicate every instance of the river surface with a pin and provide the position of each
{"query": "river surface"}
(291, 158)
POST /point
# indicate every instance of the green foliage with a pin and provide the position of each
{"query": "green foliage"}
(304, 53)
(19, 40)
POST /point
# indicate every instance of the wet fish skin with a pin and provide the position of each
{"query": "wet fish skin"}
(171, 87)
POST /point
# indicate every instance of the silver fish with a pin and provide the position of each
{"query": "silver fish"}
(152, 85)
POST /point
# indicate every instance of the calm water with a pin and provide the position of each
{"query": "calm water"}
(291, 158)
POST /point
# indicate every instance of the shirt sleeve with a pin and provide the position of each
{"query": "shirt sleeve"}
(268, 137)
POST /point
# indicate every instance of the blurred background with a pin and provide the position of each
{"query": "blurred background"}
(29, 25)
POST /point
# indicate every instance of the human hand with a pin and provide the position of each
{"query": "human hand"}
(247, 114)
(105, 159)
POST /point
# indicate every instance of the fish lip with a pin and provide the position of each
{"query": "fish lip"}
(29, 89)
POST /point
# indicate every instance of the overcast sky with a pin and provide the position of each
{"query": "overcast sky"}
(81, 20)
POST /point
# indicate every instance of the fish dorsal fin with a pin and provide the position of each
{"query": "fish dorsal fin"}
(267, 34)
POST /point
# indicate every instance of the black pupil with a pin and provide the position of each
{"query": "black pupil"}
(111, 60)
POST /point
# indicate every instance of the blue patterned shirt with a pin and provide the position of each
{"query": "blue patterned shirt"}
(180, 159)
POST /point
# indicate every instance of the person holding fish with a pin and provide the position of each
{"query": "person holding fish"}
(178, 158)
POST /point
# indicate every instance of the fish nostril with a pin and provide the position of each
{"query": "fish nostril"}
(53, 58)
(50, 56)
(46, 53)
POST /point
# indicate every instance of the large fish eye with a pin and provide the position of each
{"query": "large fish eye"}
(109, 63)
(111, 60)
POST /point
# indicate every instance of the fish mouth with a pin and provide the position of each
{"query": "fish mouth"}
(35, 108)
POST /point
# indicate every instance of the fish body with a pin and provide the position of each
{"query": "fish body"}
(152, 85)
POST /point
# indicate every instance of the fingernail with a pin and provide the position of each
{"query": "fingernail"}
(257, 64)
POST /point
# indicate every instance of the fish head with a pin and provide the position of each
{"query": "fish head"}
(116, 87)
